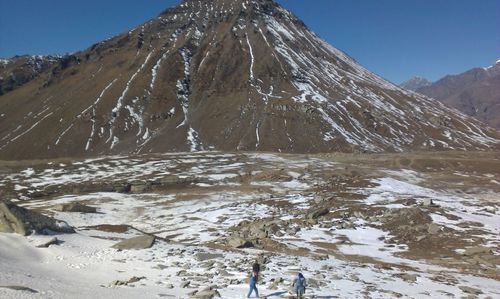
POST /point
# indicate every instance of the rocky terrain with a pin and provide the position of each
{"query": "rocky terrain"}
(19, 70)
(474, 92)
(421, 225)
(224, 75)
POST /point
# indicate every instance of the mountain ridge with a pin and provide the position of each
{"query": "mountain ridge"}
(474, 92)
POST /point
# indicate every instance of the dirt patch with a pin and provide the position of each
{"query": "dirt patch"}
(111, 228)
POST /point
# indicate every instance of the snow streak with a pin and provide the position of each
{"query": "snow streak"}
(252, 60)
(119, 103)
(32, 127)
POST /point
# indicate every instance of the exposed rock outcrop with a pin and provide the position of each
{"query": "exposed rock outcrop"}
(16, 219)
(141, 242)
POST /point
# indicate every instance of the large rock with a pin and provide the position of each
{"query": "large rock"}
(75, 207)
(409, 277)
(275, 283)
(141, 242)
(16, 219)
(427, 202)
(208, 293)
(469, 290)
(433, 228)
(315, 214)
(139, 187)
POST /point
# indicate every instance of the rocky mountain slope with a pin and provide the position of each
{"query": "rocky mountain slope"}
(475, 92)
(415, 83)
(225, 75)
(18, 70)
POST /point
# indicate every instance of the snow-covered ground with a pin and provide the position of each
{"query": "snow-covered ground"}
(232, 188)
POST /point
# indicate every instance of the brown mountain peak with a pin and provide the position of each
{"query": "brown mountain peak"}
(225, 75)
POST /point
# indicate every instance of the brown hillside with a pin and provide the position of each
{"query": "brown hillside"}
(224, 75)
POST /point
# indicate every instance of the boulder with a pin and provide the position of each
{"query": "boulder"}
(75, 207)
(409, 277)
(315, 214)
(224, 273)
(16, 219)
(139, 187)
(258, 233)
(470, 290)
(313, 283)
(420, 238)
(427, 202)
(346, 225)
(207, 293)
(491, 209)
(275, 283)
(433, 229)
(140, 242)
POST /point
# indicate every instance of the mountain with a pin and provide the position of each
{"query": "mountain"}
(224, 75)
(19, 70)
(415, 83)
(475, 92)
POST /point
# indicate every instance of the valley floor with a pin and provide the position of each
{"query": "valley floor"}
(422, 225)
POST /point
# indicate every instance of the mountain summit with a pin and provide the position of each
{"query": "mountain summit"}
(415, 83)
(225, 75)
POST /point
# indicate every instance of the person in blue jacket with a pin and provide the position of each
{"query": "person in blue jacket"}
(300, 285)
(253, 284)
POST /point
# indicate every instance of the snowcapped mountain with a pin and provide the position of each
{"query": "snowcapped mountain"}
(225, 75)
(415, 83)
(475, 92)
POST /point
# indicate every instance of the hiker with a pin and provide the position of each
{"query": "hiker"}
(253, 284)
(256, 267)
(300, 285)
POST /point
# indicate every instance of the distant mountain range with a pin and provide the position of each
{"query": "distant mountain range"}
(475, 92)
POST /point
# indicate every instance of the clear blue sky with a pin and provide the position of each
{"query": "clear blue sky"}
(394, 38)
